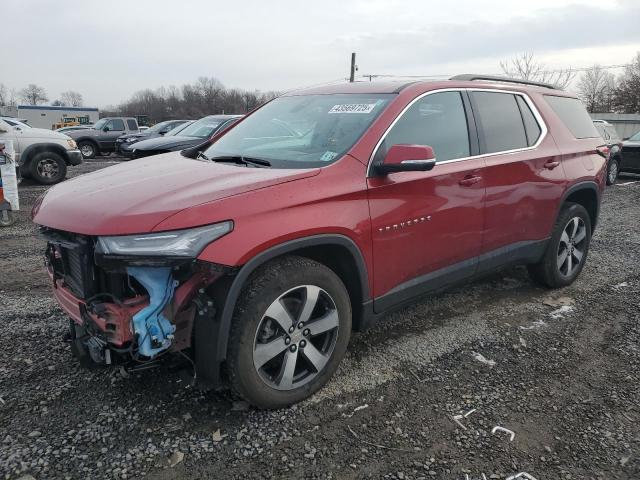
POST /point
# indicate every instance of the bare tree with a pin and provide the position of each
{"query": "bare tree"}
(526, 67)
(12, 99)
(71, 98)
(4, 97)
(596, 87)
(626, 97)
(33, 94)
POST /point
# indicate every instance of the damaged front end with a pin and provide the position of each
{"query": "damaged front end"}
(134, 298)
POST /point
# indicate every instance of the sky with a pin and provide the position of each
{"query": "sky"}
(108, 49)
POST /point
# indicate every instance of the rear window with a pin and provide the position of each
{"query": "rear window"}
(501, 121)
(573, 114)
(133, 125)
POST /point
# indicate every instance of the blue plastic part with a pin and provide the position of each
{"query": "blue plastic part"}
(154, 332)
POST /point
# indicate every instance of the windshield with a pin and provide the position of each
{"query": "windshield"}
(203, 128)
(158, 126)
(635, 138)
(178, 129)
(302, 131)
(16, 123)
(100, 123)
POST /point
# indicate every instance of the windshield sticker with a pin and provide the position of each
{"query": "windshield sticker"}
(328, 156)
(353, 108)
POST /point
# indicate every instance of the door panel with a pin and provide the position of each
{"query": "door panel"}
(425, 221)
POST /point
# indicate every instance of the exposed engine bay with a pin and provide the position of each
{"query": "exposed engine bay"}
(127, 311)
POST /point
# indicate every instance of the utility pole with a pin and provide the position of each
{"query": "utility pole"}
(352, 77)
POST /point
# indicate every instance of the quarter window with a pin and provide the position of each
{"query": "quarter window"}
(437, 120)
(573, 114)
(501, 123)
(132, 124)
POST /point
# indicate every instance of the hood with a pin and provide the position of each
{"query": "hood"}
(43, 133)
(175, 142)
(139, 136)
(136, 196)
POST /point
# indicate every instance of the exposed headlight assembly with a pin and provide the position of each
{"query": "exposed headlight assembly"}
(132, 139)
(177, 243)
(72, 144)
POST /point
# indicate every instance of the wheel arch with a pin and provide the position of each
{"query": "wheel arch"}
(587, 195)
(338, 252)
(34, 149)
(89, 140)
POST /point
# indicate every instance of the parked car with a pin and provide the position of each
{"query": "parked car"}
(42, 155)
(198, 132)
(631, 149)
(263, 252)
(101, 139)
(614, 144)
(158, 130)
(73, 128)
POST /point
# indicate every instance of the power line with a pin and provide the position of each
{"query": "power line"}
(582, 69)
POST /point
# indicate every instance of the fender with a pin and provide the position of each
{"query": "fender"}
(576, 187)
(290, 246)
(25, 157)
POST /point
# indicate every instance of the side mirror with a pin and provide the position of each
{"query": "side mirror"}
(105, 129)
(407, 158)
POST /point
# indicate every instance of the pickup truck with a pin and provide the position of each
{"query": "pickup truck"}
(101, 139)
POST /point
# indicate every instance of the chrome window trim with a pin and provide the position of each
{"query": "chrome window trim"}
(543, 126)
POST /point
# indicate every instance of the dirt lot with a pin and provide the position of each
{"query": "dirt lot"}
(558, 368)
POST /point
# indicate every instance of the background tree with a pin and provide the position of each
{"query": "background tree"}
(4, 95)
(71, 98)
(596, 87)
(58, 103)
(526, 67)
(626, 96)
(33, 94)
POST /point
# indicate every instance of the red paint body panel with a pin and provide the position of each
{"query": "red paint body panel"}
(516, 199)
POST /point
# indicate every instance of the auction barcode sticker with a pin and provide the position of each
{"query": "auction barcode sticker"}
(353, 108)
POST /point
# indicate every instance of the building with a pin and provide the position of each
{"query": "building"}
(45, 116)
(626, 124)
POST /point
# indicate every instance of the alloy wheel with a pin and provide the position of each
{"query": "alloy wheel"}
(48, 168)
(296, 337)
(572, 246)
(613, 172)
(86, 150)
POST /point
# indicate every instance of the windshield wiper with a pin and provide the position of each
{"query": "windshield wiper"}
(202, 156)
(258, 162)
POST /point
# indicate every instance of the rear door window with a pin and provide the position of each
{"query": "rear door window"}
(573, 114)
(501, 123)
(531, 125)
(116, 125)
(437, 120)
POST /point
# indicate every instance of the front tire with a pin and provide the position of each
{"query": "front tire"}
(567, 250)
(88, 149)
(290, 331)
(48, 168)
(613, 168)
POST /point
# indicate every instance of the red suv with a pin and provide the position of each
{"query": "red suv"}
(315, 215)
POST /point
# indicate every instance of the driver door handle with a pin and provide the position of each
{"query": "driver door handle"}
(469, 180)
(551, 164)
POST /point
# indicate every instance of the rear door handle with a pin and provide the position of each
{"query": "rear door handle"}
(469, 180)
(551, 164)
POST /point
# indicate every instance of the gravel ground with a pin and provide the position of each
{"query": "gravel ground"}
(417, 396)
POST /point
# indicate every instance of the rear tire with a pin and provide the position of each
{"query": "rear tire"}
(48, 168)
(88, 149)
(613, 168)
(567, 249)
(273, 360)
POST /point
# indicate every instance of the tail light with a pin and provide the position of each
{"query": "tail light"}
(603, 150)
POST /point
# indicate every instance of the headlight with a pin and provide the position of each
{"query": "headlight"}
(72, 144)
(131, 139)
(177, 243)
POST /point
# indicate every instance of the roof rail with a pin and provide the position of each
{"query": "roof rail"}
(492, 78)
